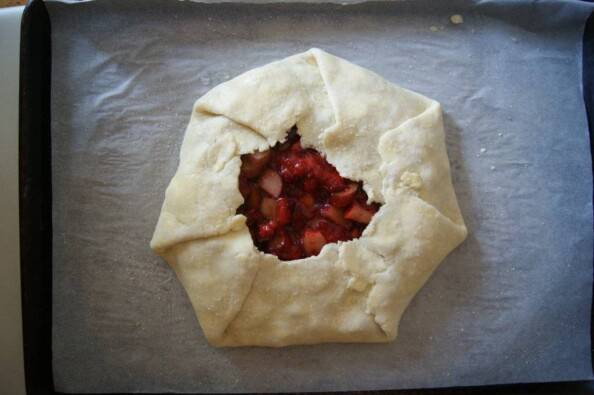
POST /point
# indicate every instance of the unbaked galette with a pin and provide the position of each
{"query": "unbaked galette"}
(312, 200)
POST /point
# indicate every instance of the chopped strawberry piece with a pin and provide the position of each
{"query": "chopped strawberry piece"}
(253, 216)
(280, 241)
(333, 232)
(254, 199)
(358, 213)
(310, 184)
(253, 164)
(356, 232)
(313, 241)
(307, 200)
(296, 202)
(268, 207)
(296, 147)
(322, 196)
(300, 216)
(345, 197)
(291, 253)
(266, 230)
(361, 197)
(333, 214)
(283, 211)
(292, 167)
(271, 182)
(304, 208)
(331, 180)
(284, 247)
(315, 223)
(291, 190)
(313, 162)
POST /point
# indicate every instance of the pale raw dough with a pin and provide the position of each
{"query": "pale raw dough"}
(390, 138)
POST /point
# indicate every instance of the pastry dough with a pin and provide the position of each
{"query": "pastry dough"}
(372, 131)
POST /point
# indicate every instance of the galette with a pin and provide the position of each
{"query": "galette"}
(313, 199)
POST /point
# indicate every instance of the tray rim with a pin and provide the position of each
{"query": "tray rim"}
(35, 203)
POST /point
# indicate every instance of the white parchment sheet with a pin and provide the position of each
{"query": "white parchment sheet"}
(512, 304)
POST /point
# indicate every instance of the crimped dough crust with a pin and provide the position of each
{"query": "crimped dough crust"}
(390, 138)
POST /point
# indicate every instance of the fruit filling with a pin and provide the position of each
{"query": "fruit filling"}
(296, 202)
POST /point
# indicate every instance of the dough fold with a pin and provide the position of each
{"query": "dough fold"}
(388, 137)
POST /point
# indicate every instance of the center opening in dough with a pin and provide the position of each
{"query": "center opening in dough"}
(296, 202)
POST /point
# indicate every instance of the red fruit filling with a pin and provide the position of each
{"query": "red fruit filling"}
(296, 202)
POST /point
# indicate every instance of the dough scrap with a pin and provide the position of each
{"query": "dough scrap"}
(388, 137)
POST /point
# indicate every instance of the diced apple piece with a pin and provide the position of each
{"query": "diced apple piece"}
(253, 164)
(271, 182)
(333, 214)
(358, 214)
(313, 241)
(345, 197)
(268, 207)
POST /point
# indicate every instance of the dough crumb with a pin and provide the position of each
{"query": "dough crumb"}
(493, 167)
(514, 39)
(410, 180)
(483, 150)
(500, 134)
(456, 19)
(357, 284)
(434, 28)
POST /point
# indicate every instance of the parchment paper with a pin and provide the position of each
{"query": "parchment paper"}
(512, 304)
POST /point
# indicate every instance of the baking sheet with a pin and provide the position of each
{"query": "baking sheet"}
(512, 304)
